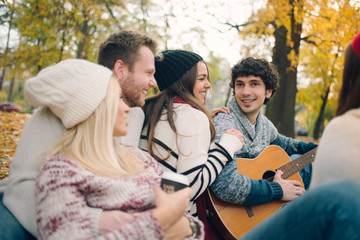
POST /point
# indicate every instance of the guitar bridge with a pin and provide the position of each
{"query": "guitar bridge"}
(249, 210)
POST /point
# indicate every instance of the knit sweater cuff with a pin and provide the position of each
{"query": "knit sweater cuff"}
(94, 215)
(278, 192)
(263, 191)
(231, 143)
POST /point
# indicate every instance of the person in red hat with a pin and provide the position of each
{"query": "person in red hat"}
(339, 150)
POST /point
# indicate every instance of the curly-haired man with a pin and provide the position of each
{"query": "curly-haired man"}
(254, 82)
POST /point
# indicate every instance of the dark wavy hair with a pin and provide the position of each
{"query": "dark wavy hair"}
(163, 103)
(258, 67)
(349, 97)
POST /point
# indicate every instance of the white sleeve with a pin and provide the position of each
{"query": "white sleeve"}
(199, 161)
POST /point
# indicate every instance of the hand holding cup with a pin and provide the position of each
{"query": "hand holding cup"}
(172, 182)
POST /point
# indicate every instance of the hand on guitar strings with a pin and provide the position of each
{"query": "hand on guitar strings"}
(291, 188)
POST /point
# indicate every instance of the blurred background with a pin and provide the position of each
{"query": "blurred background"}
(305, 39)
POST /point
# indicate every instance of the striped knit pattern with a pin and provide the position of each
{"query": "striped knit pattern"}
(191, 152)
(64, 189)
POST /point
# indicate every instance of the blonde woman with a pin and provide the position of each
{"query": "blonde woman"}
(89, 168)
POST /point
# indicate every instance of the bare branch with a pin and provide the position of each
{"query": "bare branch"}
(238, 26)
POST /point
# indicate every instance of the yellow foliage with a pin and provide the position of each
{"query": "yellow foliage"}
(11, 126)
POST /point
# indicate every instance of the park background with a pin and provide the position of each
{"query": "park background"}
(305, 39)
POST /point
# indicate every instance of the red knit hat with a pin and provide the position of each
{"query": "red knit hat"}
(356, 44)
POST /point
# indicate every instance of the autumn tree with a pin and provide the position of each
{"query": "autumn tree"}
(50, 31)
(282, 20)
(291, 23)
(331, 25)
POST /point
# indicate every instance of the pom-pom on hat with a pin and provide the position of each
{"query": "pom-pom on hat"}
(72, 89)
(356, 44)
(172, 65)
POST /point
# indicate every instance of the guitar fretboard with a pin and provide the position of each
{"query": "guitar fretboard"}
(297, 164)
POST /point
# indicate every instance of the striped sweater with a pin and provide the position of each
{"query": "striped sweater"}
(192, 153)
(65, 191)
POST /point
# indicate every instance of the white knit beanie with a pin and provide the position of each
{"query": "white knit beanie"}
(72, 89)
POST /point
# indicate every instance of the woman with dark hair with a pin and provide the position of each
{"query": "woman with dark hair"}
(178, 129)
(339, 150)
(349, 95)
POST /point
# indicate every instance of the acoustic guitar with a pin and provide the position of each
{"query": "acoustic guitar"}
(234, 220)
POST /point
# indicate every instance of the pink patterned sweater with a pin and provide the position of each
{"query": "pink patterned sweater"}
(64, 189)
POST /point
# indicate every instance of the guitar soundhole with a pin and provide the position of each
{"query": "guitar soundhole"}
(268, 175)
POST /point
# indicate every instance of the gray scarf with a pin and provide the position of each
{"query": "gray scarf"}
(255, 140)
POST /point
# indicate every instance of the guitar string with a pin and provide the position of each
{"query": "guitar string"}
(292, 167)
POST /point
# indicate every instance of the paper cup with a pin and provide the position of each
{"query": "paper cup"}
(171, 182)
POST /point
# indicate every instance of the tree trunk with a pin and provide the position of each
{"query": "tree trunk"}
(4, 65)
(63, 43)
(319, 124)
(11, 89)
(281, 109)
(2, 77)
(228, 96)
(81, 51)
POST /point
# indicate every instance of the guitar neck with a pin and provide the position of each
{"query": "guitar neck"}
(297, 164)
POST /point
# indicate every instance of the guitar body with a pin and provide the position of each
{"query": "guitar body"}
(233, 220)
